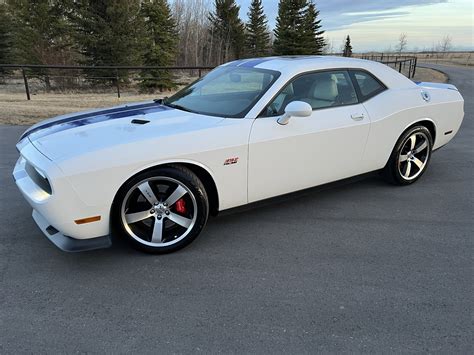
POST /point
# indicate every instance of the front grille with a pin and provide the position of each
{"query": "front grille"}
(37, 178)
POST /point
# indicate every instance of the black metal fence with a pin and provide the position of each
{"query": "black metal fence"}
(66, 77)
(399, 62)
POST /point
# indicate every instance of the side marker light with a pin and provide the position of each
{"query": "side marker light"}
(87, 220)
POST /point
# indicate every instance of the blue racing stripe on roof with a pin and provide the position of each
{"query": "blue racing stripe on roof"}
(235, 63)
(252, 63)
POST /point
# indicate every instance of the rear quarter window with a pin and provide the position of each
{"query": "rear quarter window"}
(367, 84)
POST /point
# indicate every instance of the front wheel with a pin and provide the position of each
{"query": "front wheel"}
(161, 210)
(410, 157)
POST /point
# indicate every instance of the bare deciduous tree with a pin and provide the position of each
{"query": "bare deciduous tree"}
(402, 43)
(195, 44)
(446, 44)
(328, 46)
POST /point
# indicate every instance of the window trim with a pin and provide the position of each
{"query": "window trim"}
(355, 83)
(360, 97)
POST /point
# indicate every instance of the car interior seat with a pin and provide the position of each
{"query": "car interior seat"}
(324, 92)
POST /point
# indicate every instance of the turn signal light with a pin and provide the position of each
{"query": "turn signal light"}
(87, 220)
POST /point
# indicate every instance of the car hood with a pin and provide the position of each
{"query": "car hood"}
(71, 135)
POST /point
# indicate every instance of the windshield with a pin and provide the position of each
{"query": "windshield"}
(228, 91)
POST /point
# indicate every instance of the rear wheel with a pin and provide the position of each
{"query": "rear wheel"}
(162, 210)
(410, 157)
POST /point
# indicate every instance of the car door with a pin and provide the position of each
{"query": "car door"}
(324, 147)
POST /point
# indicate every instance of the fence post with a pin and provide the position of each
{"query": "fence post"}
(117, 82)
(400, 67)
(200, 72)
(27, 89)
(414, 67)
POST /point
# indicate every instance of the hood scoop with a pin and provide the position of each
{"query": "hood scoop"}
(139, 121)
(63, 123)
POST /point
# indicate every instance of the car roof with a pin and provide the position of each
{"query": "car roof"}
(293, 65)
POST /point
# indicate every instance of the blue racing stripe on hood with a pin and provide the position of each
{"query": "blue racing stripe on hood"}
(93, 117)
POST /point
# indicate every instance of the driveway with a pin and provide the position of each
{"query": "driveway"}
(357, 267)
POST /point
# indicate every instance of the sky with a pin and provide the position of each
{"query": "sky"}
(377, 24)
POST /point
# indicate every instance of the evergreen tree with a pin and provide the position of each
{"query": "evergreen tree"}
(41, 34)
(289, 30)
(312, 40)
(108, 33)
(160, 43)
(347, 47)
(5, 36)
(298, 29)
(257, 37)
(227, 30)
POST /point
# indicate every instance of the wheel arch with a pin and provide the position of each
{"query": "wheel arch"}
(426, 122)
(208, 181)
(202, 172)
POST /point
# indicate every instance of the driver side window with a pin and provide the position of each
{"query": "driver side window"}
(320, 90)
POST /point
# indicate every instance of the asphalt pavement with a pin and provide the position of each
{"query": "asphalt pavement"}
(358, 267)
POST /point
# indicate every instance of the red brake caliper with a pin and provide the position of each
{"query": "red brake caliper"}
(180, 206)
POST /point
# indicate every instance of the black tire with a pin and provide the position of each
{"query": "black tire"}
(179, 176)
(392, 172)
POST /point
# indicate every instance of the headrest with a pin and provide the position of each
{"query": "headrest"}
(325, 88)
(288, 90)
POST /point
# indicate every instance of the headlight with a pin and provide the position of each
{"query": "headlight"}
(38, 177)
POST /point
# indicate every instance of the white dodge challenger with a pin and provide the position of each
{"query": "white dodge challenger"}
(251, 129)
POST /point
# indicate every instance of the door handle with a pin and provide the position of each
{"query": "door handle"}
(357, 116)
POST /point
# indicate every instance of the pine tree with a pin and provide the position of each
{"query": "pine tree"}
(257, 37)
(5, 36)
(312, 39)
(227, 30)
(289, 30)
(108, 33)
(160, 43)
(347, 47)
(41, 34)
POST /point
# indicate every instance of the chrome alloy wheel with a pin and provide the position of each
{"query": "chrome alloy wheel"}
(159, 211)
(413, 156)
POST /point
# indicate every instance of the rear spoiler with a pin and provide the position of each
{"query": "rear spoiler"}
(436, 85)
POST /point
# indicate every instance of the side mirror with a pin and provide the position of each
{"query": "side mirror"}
(295, 109)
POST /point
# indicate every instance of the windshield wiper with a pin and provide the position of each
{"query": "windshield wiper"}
(165, 102)
(178, 107)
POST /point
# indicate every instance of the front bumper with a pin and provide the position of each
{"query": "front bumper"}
(55, 211)
(66, 243)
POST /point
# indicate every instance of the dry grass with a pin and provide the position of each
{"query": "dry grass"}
(15, 109)
(430, 75)
(457, 59)
(449, 58)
